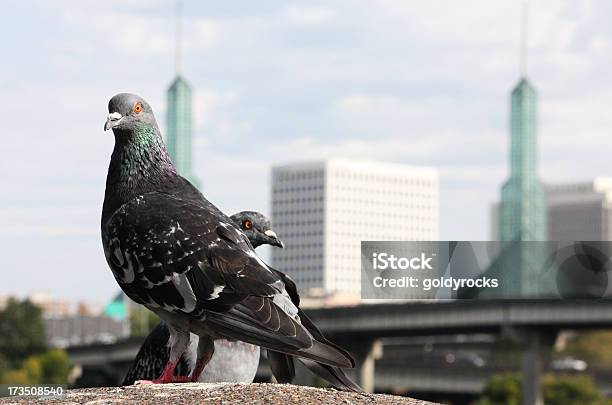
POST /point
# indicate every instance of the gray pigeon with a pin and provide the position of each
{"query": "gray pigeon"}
(233, 361)
(174, 252)
(257, 228)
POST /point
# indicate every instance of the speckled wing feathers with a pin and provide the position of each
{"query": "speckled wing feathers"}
(170, 253)
(181, 256)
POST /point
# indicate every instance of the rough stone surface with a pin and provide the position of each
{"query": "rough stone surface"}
(220, 393)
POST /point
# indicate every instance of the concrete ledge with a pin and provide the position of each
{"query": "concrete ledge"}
(221, 393)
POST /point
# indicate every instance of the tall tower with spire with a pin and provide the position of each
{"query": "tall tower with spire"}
(179, 114)
(522, 209)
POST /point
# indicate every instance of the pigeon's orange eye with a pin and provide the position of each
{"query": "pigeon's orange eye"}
(137, 108)
(247, 224)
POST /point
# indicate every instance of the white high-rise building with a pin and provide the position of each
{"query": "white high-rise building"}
(323, 210)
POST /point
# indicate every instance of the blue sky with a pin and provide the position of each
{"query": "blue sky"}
(423, 83)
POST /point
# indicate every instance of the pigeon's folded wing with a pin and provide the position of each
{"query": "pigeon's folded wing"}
(182, 256)
(178, 255)
(261, 321)
(283, 365)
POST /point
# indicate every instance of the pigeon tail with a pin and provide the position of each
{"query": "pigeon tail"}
(334, 375)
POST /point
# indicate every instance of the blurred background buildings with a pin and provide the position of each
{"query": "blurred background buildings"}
(179, 112)
(574, 211)
(522, 206)
(179, 131)
(325, 209)
(580, 211)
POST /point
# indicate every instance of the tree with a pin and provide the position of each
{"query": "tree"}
(502, 389)
(505, 389)
(51, 367)
(24, 358)
(15, 377)
(22, 331)
(33, 369)
(570, 390)
(55, 367)
(3, 365)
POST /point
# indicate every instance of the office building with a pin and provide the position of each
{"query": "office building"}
(580, 211)
(323, 210)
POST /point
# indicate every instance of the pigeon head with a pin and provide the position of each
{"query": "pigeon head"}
(140, 162)
(257, 228)
(127, 112)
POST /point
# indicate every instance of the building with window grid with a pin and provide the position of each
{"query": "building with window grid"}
(323, 210)
(580, 211)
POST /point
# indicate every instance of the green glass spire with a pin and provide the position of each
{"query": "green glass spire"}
(179, 131)
(522, 211)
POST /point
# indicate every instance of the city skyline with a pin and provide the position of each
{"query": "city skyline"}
(280, 84)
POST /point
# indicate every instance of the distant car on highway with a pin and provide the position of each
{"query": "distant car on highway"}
(568, 364)
(471, 359)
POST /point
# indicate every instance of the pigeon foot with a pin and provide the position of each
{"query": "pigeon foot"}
(173, 379)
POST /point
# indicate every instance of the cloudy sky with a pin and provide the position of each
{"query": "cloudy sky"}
(423, 83)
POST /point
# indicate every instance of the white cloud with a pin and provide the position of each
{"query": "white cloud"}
(210, 105)
(309, 15)
(203, 35)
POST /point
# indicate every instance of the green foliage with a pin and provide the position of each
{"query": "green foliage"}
(3, 365)
(51, 367)
(33, 369)
(142, 321)
(595, 347)
(505, 389)
(22, 331)
(15, 377)
(55, 366)
(24, 358)
(502, 389)
(570, 390)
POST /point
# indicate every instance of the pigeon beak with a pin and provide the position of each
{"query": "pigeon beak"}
(112, 120)
(273, 239)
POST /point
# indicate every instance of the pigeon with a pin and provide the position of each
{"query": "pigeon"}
(257, 228)
(175, 253)
(154, 352)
